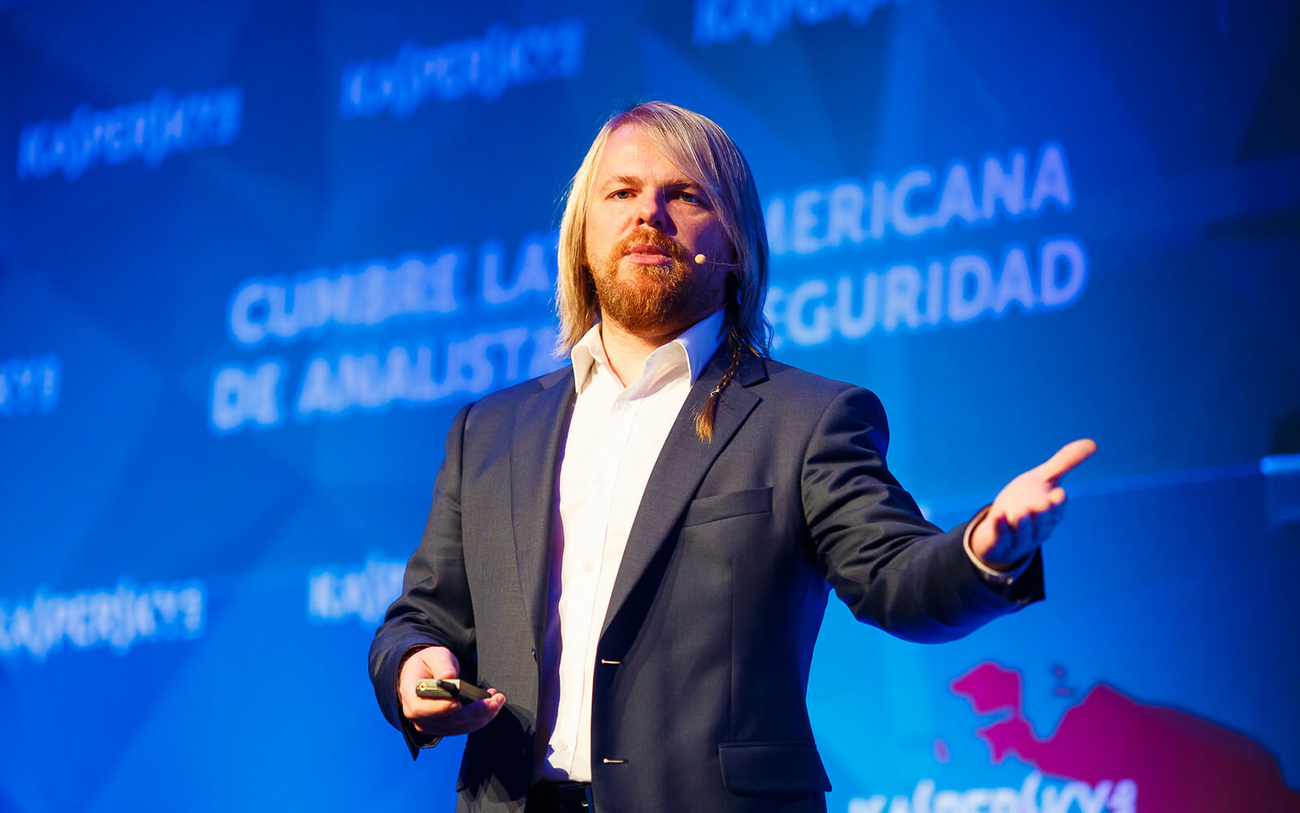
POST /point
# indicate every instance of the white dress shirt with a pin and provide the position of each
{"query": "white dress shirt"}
(615, 437)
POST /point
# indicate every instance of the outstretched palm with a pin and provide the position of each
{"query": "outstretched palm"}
(1025, 513)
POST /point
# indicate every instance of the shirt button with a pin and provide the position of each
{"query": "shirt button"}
(588, 565)
(560, 745)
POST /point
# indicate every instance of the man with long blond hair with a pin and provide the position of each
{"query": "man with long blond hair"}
(635, 552)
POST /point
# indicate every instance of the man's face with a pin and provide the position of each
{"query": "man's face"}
(646, 221)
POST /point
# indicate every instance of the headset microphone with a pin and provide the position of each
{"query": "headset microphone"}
(700, 259)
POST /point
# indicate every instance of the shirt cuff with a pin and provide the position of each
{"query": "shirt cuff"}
(999, 578)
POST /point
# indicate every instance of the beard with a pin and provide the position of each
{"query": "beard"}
(651, 299)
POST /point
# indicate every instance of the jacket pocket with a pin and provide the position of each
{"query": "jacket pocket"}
(772, 767)
(723, 506)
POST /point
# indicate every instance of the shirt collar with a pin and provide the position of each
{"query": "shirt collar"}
(699, 342)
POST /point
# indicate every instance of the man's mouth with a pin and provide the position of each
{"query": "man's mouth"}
(647, 254)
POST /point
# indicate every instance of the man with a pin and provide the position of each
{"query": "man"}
(635, 552)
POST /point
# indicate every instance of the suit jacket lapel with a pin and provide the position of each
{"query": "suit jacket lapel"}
(540, 426)
(681, 466)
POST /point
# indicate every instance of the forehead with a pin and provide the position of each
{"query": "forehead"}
(630, 151)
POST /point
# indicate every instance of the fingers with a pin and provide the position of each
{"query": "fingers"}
(458, 719)
(1044, 523)
(1048, 514)
(481, 712)
(1003, 531)
(1023, 532)
(1057, 499)
(1031, 527)
(1020, 520)
(1008, 537)
(440, 717)
(1070, 455)
(430, 662)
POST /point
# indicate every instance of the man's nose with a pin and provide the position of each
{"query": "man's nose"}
(654, 212)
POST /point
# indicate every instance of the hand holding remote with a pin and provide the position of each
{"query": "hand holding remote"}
(443, 716)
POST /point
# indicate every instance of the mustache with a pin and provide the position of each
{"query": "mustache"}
(657, 239)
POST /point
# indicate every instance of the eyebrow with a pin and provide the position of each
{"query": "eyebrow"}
(638, 182)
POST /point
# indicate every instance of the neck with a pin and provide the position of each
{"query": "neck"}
(627, 351)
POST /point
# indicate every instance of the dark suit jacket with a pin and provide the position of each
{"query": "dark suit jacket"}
(702, 662)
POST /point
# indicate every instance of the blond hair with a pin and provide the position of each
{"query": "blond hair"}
(710, 159)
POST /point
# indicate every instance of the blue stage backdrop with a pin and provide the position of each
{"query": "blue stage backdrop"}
(253, 257)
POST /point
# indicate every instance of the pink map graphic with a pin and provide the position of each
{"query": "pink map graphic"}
(1180, 762)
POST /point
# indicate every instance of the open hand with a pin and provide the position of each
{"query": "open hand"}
(1025, 512)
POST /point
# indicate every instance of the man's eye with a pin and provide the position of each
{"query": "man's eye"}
(689, 197)
(622, 194)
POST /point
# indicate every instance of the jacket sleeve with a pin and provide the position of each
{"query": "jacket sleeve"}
(892, 567)
(434, 608)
